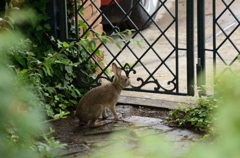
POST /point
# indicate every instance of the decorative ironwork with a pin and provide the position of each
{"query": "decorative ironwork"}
(172, 85)
(224, 49)
(167, 60)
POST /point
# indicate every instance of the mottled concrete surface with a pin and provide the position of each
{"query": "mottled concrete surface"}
(84, 141)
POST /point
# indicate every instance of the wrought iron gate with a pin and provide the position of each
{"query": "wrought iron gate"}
(165, 63)
(219, 48)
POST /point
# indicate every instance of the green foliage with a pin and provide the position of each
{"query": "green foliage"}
(21, 111)
(49, 147)
(51, 74)
(49, 65)
(121, 38)
(125, 145)
(227, 143)
(200, 117)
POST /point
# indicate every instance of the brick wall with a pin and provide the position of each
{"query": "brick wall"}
(91, 14)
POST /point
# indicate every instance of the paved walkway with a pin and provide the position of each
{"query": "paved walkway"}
(135, 136)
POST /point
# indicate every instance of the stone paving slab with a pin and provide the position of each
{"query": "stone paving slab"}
(159, 101)
(132, 130)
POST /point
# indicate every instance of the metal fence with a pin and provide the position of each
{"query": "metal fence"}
(218, 39)
(226, 42)
(161, 58)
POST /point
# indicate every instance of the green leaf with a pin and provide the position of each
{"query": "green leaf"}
(24, 71)
(9, 23)
(105, 39)
(65, 61)
(14, 8)
(20, 59)
(47, 70)
(63, 106)
(82, 24)
(118, 45)
(69, 69)
(65, 45)
(52, 39)
(59, 44)
(47, 26)
(39, 28)
(74, 102)
(132, 41)
(139, 43)
(61, 56)
(10, 19)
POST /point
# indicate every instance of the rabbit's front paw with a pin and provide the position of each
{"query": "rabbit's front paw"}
(105, 117)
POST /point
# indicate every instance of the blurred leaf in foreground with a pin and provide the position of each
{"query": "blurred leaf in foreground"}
(19, 109)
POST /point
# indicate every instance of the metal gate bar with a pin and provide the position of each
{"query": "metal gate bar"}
(190, 47)
(201, 65)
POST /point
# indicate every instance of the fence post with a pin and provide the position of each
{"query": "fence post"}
(51, 9)
(190, 47)
(63, 20)
(201, 73)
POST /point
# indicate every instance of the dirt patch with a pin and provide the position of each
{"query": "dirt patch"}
(138, 122)
(68, 131)
(149, 112)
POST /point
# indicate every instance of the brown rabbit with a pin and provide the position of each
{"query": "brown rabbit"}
(92, 104)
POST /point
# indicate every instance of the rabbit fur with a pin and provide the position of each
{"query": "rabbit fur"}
(93, 104)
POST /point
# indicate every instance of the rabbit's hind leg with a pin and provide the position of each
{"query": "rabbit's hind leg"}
(94, 123)
(97, 114)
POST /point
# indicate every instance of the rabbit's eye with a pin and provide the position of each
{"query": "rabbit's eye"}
(125, 79)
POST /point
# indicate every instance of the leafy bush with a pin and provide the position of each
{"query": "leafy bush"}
(50, 65)
(51, 74)
(20, 110)
(227, 142)
(200, 117)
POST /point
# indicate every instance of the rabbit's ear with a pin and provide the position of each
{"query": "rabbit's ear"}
(116, 70)
(119, 71)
